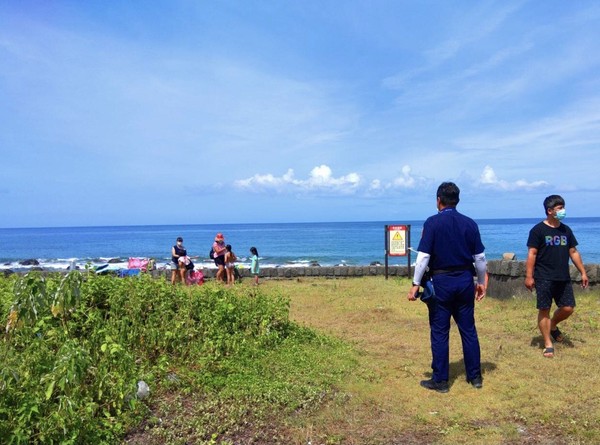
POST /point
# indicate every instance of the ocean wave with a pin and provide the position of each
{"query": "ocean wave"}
(106, 263)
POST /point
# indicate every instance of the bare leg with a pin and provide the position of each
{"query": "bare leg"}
(220, 273)
(544, 325)
(561, 314)
(173, 276)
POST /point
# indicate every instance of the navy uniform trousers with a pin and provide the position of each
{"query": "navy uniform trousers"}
(454, 297)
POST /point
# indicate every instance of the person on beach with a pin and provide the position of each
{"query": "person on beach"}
(230, 260)
(254, 266)
(550, 245)
(178, 267)
(451, 248)
(219, 249)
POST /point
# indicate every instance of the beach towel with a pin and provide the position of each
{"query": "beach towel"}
(138, 263)
(189, 265)
(128, 272)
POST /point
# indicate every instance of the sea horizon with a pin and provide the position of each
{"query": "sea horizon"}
(279, 244)
(478, 220)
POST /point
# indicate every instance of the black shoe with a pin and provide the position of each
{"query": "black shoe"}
(436, 386)
(477, 382)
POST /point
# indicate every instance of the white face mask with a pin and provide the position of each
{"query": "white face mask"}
(560, 214)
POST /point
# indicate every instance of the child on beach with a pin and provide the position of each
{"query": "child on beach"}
(230, 260)
(254, 267)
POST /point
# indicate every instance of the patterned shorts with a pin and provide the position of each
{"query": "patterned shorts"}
(559, 291)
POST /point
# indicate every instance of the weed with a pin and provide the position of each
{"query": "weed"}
(77, 344)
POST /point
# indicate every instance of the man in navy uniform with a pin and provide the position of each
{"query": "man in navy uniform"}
(451, 248)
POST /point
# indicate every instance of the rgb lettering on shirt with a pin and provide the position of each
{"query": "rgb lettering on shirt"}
(556, 240)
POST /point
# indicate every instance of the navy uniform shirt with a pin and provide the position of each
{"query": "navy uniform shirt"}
(451, 239)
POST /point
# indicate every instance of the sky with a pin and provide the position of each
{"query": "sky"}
(208, 112)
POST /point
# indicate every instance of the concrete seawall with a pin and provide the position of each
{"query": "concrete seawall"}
(505, 276)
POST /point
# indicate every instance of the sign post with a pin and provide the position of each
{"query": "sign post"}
(397, 243)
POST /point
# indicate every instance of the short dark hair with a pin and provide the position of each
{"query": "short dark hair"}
(448, 192)
(552, 201)
(179, 238)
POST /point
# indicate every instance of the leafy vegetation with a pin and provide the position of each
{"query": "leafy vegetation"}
(219, 362)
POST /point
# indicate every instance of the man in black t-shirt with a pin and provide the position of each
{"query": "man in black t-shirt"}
(551, 244)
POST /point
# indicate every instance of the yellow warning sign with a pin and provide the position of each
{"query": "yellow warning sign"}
(397, 243)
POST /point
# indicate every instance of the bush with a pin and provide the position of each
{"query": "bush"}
(75, 346)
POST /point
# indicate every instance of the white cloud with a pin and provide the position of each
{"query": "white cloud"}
(320, 179)
(489, 179)
(406, 180)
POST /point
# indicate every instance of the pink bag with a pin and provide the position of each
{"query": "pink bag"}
(195, 277)
(138, 263)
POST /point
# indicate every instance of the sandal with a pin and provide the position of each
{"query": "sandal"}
(548, 352)
(557, 335)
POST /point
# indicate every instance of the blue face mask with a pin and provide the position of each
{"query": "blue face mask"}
(560, 214)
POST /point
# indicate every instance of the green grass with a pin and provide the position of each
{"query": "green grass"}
(526, 398)
(290, 362)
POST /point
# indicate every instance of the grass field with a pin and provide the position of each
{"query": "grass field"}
(526, 398)
(291, 362)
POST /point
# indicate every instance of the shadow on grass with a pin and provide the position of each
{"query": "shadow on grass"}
(457, 369)
(538, 341)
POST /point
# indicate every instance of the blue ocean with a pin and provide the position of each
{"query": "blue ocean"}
(279, 244)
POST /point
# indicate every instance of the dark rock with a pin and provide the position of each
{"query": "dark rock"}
(314, 264)
(37, 269)
(30, 262)
(7, 272)
(375, 263)
(114, 260)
